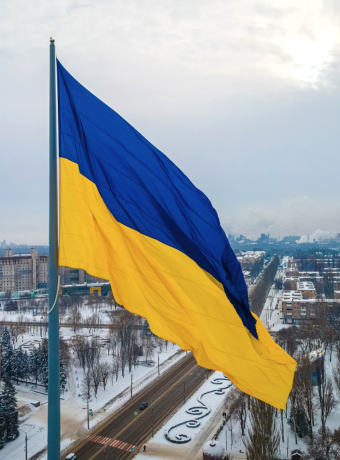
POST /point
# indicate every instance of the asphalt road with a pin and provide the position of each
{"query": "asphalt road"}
(164, 396)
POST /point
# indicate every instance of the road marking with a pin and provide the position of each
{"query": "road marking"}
(111, 442)
(134, 419)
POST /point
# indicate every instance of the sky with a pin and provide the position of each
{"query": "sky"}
(243, 95)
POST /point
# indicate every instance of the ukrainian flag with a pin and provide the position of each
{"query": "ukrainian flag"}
(129, 215)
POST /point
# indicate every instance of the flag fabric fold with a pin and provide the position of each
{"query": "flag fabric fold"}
(129, 215)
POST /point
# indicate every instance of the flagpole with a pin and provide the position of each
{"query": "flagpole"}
(53, 427)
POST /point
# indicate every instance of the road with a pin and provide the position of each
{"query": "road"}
(125, 429)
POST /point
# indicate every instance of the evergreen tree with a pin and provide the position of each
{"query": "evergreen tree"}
(18, 364)
(2, 422)
(62, 375)
(34, 364)
(301, 422)
(43, 363)
(7, 354)
(25, 371)
(10, 410)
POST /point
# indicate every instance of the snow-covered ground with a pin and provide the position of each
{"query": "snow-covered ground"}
(159, 448)
(272, 311)
(73, 408)
(28, 314)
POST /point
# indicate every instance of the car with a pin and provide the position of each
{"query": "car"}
(143, 406)
(71, 457)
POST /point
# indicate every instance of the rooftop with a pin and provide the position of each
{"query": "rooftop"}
(289, 296)
(306, 286)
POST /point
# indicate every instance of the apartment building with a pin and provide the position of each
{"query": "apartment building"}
(70, 276)
(25, 272)
(19, 272)
(299, 308)
(307, 289)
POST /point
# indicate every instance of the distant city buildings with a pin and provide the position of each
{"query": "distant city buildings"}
(300, 298)
(251, 264)
(19, 272)
(24, 272)
(70, 276)
(265, 242)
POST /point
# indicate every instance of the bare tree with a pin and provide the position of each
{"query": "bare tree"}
(77, 300)
(325, 391)
(89, 324)
(93, 353)
(159, 342)
(263, 438)
(105, 373)
(87, 385)
(65, 355)
(115, 367)
(325, 445)
(148, 349)
(111, 301)
(93, 301)
(239, 411)
(81, 350)
(74, 319)
(97, 377)
(304, 389)
(336, 372)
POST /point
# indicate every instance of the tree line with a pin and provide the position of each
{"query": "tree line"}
(31, 367)
(314, 396)
(259, 292)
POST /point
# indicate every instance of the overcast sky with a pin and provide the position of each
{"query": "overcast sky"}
(243, 95)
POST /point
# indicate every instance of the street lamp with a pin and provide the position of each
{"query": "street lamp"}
(21, 429)
(88, 400)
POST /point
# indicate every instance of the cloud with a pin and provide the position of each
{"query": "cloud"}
(243, 96)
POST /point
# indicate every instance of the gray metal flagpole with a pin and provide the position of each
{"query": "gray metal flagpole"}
(53, 428)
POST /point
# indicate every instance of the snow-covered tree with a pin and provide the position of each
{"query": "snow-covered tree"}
(25, 370)
(63, 379)
(43, 363)
(10, 410)
(7, 354)
(34, 364)
(2, 422)
(19, 364)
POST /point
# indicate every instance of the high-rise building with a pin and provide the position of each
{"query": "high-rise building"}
(20, 272)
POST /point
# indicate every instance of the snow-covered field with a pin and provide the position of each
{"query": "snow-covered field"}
(73, 407)
(28, 314)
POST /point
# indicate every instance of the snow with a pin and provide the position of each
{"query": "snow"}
(73, 408)
(213, 448)
(27, 314)
(272, 311)
(159, 448)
